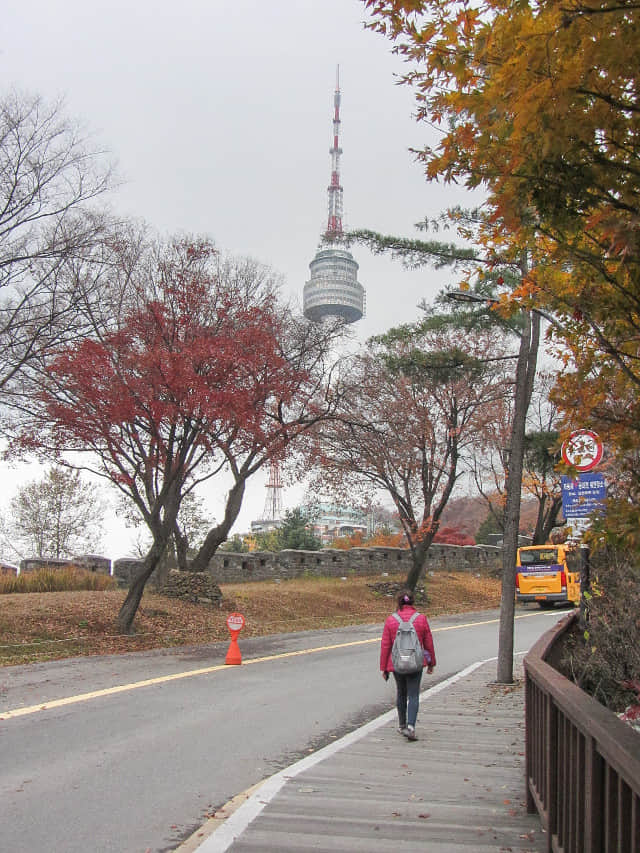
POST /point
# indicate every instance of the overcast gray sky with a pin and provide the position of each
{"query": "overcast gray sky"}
(219, 112)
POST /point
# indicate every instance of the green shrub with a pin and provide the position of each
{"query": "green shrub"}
(607, 654)
(56, 580)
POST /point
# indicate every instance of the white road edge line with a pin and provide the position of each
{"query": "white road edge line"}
(223, 837)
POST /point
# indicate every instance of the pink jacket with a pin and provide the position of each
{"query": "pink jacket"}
(391, 629)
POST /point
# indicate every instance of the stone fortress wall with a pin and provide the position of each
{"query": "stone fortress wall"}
(91, 562)
(228, 567)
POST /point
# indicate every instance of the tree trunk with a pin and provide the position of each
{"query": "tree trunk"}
(549, 507)
(182, 548)
(550, 520)
(418, 556)
(538, 532)
(421, 547)
(124, 621)
(217, 535)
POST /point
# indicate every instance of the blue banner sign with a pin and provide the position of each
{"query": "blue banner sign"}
(583, 495)
(539, 568)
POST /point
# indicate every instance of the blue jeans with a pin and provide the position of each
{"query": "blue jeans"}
(408, 697)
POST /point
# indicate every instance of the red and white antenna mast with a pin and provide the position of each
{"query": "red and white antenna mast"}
(273, 503)
(334, 222)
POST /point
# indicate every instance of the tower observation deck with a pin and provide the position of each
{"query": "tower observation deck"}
(333, 289)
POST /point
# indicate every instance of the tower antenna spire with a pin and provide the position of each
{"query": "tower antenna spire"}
(334, 222)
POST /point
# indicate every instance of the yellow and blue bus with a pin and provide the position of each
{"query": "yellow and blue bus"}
(547, 575)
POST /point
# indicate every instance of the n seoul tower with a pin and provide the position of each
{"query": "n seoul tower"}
(333, 290)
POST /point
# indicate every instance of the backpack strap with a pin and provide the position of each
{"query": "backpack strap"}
(409, 621)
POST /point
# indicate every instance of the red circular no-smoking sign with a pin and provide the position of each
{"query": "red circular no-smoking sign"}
(582, 450)
(235, 622)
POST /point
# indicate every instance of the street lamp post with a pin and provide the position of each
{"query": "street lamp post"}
(525, 375)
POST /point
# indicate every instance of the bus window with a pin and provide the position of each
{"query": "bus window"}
(539, 556)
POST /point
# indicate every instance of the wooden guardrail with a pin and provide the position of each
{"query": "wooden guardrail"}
(582, 762)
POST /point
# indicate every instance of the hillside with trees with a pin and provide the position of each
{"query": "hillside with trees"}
(467, 514)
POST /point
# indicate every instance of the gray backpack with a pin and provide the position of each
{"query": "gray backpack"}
(407, 655)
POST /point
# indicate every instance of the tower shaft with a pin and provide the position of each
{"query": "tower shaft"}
(273, 503)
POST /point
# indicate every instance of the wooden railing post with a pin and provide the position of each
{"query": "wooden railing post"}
(551, 768)
(529, 736)
(593, 798)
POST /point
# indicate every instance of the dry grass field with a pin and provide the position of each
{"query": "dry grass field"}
(42, 626)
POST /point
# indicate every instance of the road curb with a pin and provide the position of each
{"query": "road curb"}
(222, 814)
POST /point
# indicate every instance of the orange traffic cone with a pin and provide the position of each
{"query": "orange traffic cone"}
(233, 655)
(235, 623)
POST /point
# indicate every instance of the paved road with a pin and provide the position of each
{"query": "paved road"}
(130, 768)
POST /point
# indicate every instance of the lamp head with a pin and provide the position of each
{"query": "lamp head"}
(466, 296)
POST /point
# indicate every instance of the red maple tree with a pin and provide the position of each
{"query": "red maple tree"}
(196, 376)
(453, 536)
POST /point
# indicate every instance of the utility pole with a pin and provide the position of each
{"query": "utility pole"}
(524, 380)
(525, 376)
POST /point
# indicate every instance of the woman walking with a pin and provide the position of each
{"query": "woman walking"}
(407, 686)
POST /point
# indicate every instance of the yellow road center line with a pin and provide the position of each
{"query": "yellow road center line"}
(161, 679)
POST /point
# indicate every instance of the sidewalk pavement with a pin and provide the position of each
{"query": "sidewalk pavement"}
(459, 787)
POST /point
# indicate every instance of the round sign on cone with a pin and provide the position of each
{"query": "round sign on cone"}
(235, 624)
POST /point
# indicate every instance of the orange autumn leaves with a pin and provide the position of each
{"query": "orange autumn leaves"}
(537, 104)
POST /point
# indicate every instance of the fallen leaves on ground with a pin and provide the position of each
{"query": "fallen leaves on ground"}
(46, 626)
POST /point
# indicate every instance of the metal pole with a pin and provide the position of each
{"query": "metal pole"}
(585, 584)
(512, 513)
(525, 376)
